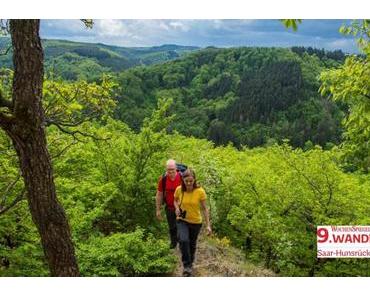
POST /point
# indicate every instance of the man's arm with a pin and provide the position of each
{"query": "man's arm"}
(158, 203)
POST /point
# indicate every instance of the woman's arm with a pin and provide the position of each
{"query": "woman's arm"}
(206, 216)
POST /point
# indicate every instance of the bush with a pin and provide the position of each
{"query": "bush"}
(129, 254)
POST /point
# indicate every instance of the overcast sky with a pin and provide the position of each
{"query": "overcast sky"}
(219, 33)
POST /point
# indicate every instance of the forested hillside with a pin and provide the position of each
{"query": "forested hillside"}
(77, 60)
(245, 96)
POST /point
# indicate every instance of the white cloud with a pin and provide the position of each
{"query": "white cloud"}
(181, 25)
(344, 44)
(164, 26)
(111, 28)
(217, 24)
(247, 21)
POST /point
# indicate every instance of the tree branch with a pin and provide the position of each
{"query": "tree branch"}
(63, 150)
(8, 189)
(50, 121)
(314, 188)
(6, 51)
(89, 23)
(75, 132)
(14, 202)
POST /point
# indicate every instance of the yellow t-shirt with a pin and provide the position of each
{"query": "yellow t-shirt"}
(190, 202)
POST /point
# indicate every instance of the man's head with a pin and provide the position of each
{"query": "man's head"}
(171, 168)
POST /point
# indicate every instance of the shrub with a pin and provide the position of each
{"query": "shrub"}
(125, 254)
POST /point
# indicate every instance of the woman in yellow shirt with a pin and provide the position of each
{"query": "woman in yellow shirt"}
(189, 198)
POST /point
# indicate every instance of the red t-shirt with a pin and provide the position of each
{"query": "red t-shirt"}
(171, 186)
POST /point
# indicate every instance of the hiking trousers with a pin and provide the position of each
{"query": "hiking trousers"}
(171, 220)
(187, 235)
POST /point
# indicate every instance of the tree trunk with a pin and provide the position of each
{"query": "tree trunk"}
(27, 131)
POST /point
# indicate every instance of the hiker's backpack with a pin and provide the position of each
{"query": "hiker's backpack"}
(181, 168)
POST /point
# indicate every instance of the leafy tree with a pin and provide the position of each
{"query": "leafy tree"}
(349, 84)
(219, 133)
(22, 118)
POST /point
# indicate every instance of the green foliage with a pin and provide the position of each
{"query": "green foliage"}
(129, 254)
(20, 249)
(241, 95)
(107, 188)
(21, 253)
(267, 201)
(325, 56)
(73, 103)
(71, 66)
(118, 194)
(88, 61)
(358, 29)
(283, 195)
(350, 85)
(291, 23)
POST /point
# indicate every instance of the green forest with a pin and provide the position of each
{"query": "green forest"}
(244, 96)
(87, 61)
(278, 137)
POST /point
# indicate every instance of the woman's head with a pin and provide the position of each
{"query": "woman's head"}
(188, 180)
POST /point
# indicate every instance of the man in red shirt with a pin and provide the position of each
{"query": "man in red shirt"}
(166, 194)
